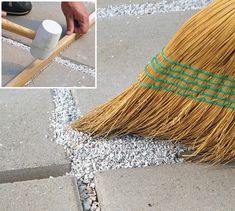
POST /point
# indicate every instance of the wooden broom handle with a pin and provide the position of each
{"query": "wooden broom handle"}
(17, 29)
(37, 65)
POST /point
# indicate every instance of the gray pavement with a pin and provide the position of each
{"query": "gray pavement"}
(82, 51)
(14, 60)
(125, 46)
(53, 194)
(25, 150)
(167, 187)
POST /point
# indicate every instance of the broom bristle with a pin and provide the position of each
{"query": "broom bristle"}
(185, 94)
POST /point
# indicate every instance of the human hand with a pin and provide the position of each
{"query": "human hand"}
(4, 14)
(75, 12)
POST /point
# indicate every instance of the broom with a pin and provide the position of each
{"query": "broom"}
(185, 94)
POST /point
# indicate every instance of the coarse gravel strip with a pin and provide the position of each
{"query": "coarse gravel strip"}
(89, 155)
(151, 8)
(64, 62)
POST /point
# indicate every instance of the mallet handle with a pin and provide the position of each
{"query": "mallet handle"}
(17, 29)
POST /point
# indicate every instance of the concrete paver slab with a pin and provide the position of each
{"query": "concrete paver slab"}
(125, 46)
(168, 187)
(56, 75)
(14, 60)
(40, 11)
(25, 150)
(83, 49)
(58, 194)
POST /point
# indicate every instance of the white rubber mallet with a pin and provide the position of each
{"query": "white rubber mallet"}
(44, 39)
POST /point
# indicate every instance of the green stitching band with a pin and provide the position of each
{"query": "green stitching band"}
(183, 87)
(187, 81)
(155, 62)
(196, 70)
(186, 95)
(195, 77)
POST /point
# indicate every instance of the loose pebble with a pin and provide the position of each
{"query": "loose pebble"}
(86, 205)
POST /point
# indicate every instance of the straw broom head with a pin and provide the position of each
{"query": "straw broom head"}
(185, 94)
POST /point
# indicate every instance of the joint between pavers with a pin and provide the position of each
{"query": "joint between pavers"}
(41, 172)
(67, 62)
(76, 62)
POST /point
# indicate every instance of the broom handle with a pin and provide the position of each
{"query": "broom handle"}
(17, 29)
(37, 65)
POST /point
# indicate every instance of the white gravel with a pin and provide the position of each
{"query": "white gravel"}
(89, 155)
(151, 8)
(79, 67)
(59, 60)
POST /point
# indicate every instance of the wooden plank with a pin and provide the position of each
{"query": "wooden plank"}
(37, 65)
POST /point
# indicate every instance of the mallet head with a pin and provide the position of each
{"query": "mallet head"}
(46, 39)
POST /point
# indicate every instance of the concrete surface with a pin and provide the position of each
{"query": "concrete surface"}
(125, 46)
(25, 149)
(56, 194)
(168, 187)
(56, 75)
(83, 49)
(14, 60)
